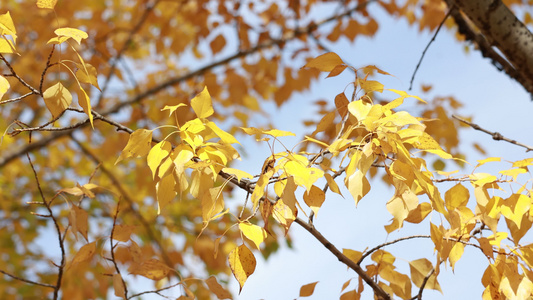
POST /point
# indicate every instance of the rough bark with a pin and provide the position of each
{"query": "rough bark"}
(500, 29)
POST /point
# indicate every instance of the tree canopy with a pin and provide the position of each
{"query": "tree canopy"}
(122, 122)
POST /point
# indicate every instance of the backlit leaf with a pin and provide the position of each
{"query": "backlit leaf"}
(85, 253)
(420, 269)
(253, 232)
(165, 192)
(4, 86)
(138, 144)
(353, 255)
(156, 155)
(57, 98)
(73, 33)
(50, 4)
(85, 103)
(242, 263)
(172, 108)
(201, 104)
(87, 73)
(314, 198)
(151, 269)
(325, 62)
(118, 286)
(122, 233)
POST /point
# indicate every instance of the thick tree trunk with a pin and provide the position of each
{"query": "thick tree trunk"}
(501, 29)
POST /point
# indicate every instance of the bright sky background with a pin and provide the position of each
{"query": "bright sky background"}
(496, 103)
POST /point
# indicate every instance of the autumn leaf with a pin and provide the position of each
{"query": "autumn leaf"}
(122, 233)
(64, 34)
(85, 103)
(314, 198)
(85, 253)
(325, 62)
(151, 269)
(87, 73)
(217, 289)
(4, 86)
(420, 269)
(308, 289)
(118, 286)
(253, 232)
(138, 145)
(242, 263)
(201, 104)
(50, 4)
(172, 108)
(57, 99)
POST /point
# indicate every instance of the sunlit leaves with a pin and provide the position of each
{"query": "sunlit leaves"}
(314, 198)
(152, 269)
(50, 4)
(202, 105)
(139, 144)
(253, 232)
(325, 62)
(420, 269)
(242, 263)
(4, 86)
(172, 108)
(63, 34)
(57, 99)
(87, 73)
(85, 253)
(122, 233)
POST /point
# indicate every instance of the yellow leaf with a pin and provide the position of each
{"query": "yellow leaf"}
(122, 233)
(85, 253)
(515, 207)
(358, 185)
(341, 103)
(224, 136)
(456, 196)
(73, 33)
(151, 269)
(85, 103)
(523, 163)
(353, 255)
(308, 289)
(332, 184)
(259, 189)
(486, 160)
(50, 4)
(138, 144)
(284, 214)
(183, 154)
(314, 198)
(217, 289)
(78, 220)
(87, 73)
(238, 173)
(7, 27)
(4, 86)
(350, 295)
(212, 203)
(480, 179)
(253, 232)
(371, 86)
(288, 193)
(325, 62)
(418, 214)
(57, 98)
(201, 104)
(156, 155)
(58, 40)
(6, 46)
(118, 285)
(456, 253)
(172, 108)
(359, 109)
(420, 269)
(242, 264)
(165, 192)
(303, 175)
(337, 70)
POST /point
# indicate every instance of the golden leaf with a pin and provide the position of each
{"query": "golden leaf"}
(138, 144)
(73, 33)
(50, 4)
(201, 104)
(217, 289)
(253, 232)
(85, 103)
(4, 86)
(314, 198)
(57, 98)
(308, 289)
(85, 253)
(325, 62)
(151, 269)
(123, 232)
(242, 264)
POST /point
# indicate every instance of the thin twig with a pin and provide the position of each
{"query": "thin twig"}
(419, 295)
(58, 231)
(17, 98)
(427, 46)
(367, 253)
(495, 135)
(27, 281)
(113, 250)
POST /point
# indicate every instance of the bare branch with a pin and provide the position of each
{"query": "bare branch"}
(495, 135)
(27, 281)
(113, 250)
